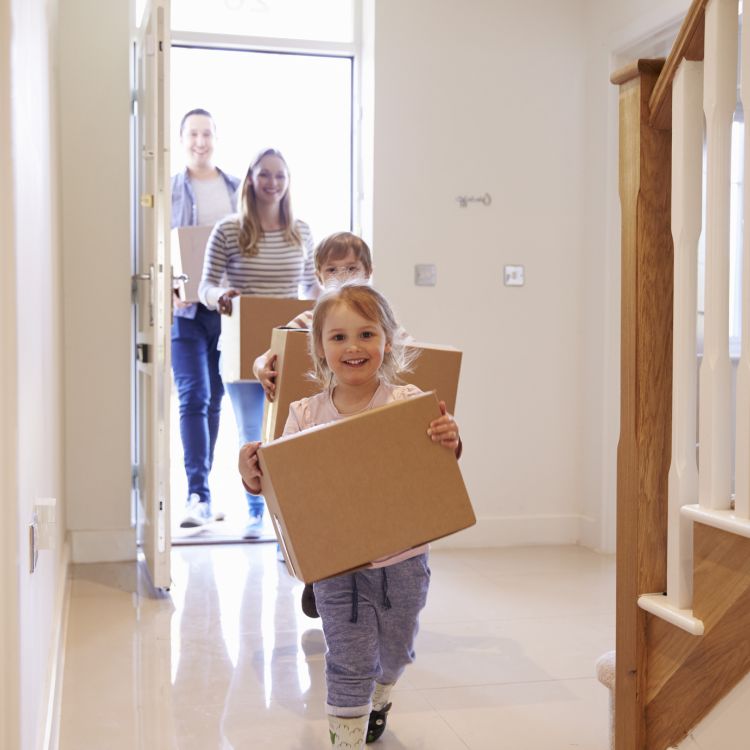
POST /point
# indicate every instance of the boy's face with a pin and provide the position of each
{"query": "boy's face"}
(342, 269)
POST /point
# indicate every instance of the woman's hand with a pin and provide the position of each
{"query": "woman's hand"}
(267, 376)
(250, 468)
(444, 430)
(224, 304)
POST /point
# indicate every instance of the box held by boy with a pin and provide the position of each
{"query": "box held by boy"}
(436, 368)
(354, 491)
(188, 250)
(246, 333)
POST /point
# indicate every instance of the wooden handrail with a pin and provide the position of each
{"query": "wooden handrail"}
(687, 46)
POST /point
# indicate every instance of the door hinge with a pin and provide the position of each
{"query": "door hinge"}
(142, 353)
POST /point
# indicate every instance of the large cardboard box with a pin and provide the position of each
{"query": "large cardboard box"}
(246, 333)
(293, 363)
(363, 488)
(188, 250)
(437, 368)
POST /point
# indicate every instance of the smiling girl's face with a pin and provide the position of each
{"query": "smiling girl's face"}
(353, 347)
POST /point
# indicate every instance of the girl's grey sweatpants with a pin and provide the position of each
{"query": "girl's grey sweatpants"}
(385, 602)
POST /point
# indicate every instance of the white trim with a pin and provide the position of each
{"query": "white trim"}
(516, 531)
(262, 43)
(725, 520)
(50, 736)
(659, 606)
(102, 545)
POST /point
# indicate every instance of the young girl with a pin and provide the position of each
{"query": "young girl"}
(261, 250)
(370, 617)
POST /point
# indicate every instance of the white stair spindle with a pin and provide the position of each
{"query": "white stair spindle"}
(719, 100)
(742, 432)
(687, 178)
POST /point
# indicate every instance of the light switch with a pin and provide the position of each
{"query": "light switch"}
(425, 274)
(513, 276)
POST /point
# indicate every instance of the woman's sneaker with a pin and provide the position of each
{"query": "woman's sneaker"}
(254, 529)
(376, 725)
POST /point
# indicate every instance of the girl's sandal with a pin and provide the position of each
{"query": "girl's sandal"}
(376, 725)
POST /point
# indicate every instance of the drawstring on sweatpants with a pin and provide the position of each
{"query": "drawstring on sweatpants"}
(355, 599)
(355, 595)
(386, 600)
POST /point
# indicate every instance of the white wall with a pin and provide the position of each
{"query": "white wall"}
(95, 196)
(35, 252)
(463, 106)
(9, 607)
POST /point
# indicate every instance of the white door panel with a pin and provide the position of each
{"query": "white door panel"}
(152, 291)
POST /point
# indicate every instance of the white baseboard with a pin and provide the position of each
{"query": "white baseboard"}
(49, 737)
(516, 531)
(105, 545)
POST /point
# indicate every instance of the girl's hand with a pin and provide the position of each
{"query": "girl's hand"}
(250, 468)
(224, 304)
(267, 376)
(444, 430)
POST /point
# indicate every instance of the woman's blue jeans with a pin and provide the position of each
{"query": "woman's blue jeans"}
(195, 364)
(247, 402)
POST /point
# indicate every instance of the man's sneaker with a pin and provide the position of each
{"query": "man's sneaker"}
(308, 601)
(376, 725)
(196, 513)
(254, 529)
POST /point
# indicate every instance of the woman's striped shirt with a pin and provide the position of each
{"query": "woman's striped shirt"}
(278, 270)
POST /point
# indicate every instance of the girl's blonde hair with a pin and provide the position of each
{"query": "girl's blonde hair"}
(250, 228)
(372, 306)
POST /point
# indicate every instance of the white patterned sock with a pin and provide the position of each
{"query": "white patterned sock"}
(381, 696)
(348, 733)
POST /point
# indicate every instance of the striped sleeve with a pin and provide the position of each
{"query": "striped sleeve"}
(216, 261)
(308, 282)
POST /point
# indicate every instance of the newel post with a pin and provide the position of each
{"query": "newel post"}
(643, 452)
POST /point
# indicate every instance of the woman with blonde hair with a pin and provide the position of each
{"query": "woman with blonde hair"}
(261, 250)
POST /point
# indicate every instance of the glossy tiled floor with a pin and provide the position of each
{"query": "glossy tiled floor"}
(505, 656)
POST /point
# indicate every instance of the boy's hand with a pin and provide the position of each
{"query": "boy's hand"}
(267, 377)
(250, 468)
(444, 430)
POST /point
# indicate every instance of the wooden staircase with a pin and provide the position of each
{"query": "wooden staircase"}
(683, 554)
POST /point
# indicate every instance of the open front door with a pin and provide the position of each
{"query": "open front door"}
(152, 290)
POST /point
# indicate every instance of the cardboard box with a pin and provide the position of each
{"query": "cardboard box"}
(344, 494)
(293, 362)
(246, 333)
(188, 250)
(437, 368)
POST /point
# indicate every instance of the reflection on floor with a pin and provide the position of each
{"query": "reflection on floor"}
(227, 661)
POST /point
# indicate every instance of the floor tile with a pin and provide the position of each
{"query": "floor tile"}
(228, 661)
